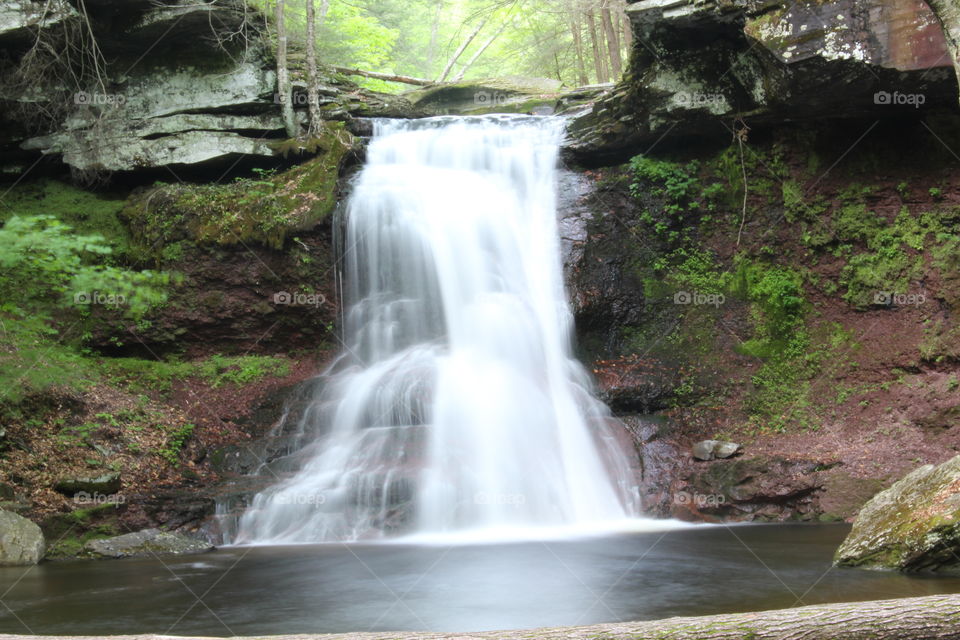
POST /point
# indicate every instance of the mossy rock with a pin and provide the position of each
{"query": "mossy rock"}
(500, 95)
(262, 210)
(912, 526)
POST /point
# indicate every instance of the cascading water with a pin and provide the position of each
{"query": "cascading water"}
(456, 405)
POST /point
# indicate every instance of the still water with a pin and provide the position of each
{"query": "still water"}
(399, 586)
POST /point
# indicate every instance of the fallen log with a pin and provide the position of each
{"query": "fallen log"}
(926, 618)
(420, 82)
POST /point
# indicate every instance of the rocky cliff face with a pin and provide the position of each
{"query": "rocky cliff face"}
(763, 63)
(175, 85)
(768, 138)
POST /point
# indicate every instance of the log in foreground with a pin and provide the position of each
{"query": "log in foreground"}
(927, 618)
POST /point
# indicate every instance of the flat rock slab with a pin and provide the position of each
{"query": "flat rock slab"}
(149, 542)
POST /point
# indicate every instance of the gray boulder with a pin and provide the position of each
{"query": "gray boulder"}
(912, 526)
(21, 541)
(148, 542)
(105, 484)
(712, 449)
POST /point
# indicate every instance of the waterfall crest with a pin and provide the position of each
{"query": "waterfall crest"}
(457, 404)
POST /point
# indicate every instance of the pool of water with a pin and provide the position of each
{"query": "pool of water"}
(399, 586)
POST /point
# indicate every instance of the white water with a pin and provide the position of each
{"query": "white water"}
(457, 406)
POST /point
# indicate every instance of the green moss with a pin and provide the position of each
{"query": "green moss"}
(32, 361)
(68, 532)
(86, 212)
(263, 210)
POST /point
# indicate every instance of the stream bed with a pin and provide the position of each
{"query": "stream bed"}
(332, 588)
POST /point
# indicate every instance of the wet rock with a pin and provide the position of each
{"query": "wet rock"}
(105, 484)
(912, 526)
(663, 464)
(149, 542)
(21, 541)
(844, 495)
(761, 487)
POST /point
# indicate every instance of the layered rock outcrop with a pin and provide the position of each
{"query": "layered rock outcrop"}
(762, 63)
(178, 85)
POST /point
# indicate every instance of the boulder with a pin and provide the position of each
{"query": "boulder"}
(149, 542)
(713, 449)
(912, 526)
(21, 541)
(105, 484)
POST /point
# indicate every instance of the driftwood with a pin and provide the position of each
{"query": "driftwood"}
(383, 76)
(927, 618)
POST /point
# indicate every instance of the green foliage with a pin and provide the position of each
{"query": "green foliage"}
(217, 370)
(87, 213)
(892, 259)
(175, 441)
(530, 38)
(778, 308)
(683, 201)
(693, 270)
(45, 266)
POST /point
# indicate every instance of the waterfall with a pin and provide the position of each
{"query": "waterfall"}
(457, 404)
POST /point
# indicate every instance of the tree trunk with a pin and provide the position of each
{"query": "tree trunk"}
(459, 52)
(384, 76)
(627, 29)
(948, 14)
(598, 61)
(613, 40)
(324, 10)
(576, 30)
(313, 82)
(927, 618)
(479, 53)
(434, 33)
(284, 88)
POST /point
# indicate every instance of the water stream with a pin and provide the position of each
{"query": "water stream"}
(456, 406)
